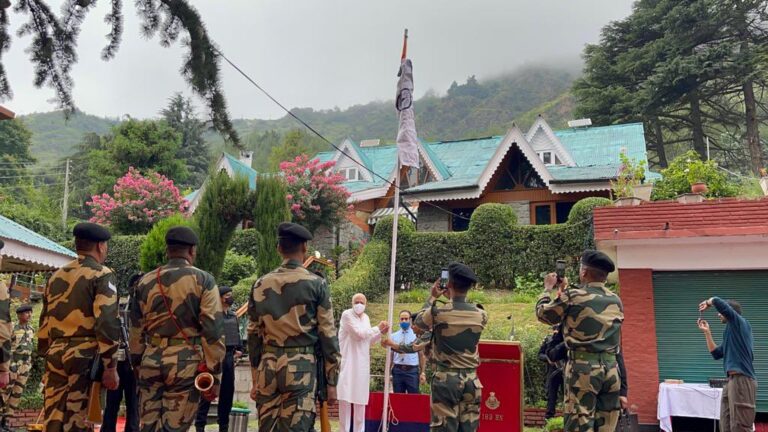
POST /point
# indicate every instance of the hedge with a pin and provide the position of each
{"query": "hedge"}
(153, 247)
(236, 268)
(246, 242)
(494, 246)
(123, 259)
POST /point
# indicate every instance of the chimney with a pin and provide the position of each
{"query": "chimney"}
(246, 157)
(585, 122)
(370, 143)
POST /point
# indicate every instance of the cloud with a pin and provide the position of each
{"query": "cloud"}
(320, 53)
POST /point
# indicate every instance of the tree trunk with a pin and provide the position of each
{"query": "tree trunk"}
(697, 127)
(753, 134)
(661, 152)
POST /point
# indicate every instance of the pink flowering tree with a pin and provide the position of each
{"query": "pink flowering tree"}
(137, 203)
(316, 195)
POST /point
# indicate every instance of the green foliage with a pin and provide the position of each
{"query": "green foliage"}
(295, 143)
(146, 145)
(370, 276)
(242, 289)
(500, 252)
(383, 230)
(180, 115)
(224, 204)
(34, 209)
(246, 242)
(530, 337)
(152, 253)
(123, 258)
(687, 169)
(15, 143)
(236, 267)
(555, 424)
(631, 174)
(54, 136)
(269, 210)
(239, 404)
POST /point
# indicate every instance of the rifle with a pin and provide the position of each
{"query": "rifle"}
(322, 390)
(94, 397)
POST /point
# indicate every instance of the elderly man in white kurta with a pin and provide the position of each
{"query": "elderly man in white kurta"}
(355, 339)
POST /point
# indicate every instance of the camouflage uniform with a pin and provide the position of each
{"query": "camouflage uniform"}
(167, 364)
(21, 364)
(290, 310)
(6, 327)
(592, 315)
(79, 321)
(456, 390)
(422, 343)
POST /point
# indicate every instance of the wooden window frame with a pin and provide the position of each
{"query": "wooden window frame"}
(552, 211)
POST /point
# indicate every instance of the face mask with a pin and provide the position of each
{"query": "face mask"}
(359, 308)
(229, 301)
(405, 325)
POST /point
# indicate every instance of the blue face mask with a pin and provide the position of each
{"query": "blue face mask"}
(405, 325)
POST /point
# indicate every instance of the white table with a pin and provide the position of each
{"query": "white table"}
(687, 400)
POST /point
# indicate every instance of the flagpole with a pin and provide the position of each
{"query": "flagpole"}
(392, 269)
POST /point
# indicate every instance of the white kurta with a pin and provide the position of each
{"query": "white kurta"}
(355, 338)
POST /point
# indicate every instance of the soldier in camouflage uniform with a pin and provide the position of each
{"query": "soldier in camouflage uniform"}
(456, 328)
(6, 329)
(592, 317)
(168, 347)
(21, 363)
(79, 322)
(290, 310)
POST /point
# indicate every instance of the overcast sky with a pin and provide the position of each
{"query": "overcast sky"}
(320, 53)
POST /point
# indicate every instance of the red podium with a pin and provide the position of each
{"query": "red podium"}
(501, 372)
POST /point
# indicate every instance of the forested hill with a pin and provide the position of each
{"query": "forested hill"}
(469, 109)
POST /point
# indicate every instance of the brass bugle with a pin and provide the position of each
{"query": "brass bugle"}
(204, 382)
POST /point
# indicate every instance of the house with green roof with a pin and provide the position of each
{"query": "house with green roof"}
(234, 166)
(540, 173)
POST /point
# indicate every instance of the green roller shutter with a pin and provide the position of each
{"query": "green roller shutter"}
(682, 349)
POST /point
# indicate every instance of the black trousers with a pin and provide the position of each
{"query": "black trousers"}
(226, 394)
(114, 397)
(554, 384)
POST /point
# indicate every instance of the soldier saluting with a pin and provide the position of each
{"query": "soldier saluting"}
(176, 327)
(456, 328)
(79, 322)
(592, 317)
(290, 310)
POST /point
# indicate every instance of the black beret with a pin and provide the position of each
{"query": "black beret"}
(134, 279)
(91, 231)
(181, 235)
(224, 289)
(598, 260)
(292, 231)
(23, 308)
(461, 272)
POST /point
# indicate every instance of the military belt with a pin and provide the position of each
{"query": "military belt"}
(442, 368)
(310, 349)
(163, 342)
(591, 356)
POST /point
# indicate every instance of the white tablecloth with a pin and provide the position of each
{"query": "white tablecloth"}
(687, 400)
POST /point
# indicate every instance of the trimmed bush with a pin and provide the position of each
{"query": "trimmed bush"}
(269, 210)
(370, 276)
(123, 259)
(498, 250)
(241, 291)
(236, 267)
(153, 248)
(246, 242)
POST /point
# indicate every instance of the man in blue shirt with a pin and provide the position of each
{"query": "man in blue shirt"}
(407, 369)
(737, 407)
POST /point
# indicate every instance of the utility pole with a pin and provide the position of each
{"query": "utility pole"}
(66, 198)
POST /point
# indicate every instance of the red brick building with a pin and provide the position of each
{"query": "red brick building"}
(670, 256)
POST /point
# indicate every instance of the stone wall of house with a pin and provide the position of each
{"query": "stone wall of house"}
(522, 210)
(432, 219)
(325, 239)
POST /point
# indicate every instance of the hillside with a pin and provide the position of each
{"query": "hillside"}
(471, 109)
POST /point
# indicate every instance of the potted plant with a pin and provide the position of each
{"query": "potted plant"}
(555, 424)
(697, 176)
(629, 187)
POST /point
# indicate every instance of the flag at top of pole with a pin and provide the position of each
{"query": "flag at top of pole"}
(407, 143)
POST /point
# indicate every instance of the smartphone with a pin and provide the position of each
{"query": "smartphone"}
(444, 278)
(560, 270)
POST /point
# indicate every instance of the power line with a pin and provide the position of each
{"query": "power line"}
(322, 137)
(24, 176)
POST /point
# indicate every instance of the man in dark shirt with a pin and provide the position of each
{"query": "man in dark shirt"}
(554, 370)
(737, 408)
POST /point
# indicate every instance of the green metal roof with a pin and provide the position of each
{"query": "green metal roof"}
(594, 172)
(242, 169)
(191, 196)
(14, 231)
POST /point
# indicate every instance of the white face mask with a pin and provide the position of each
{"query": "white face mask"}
(359, 308)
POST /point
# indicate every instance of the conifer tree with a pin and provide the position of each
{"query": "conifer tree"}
(269, 210)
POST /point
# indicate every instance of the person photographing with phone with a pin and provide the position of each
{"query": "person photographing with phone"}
(591, 316)
(737, 407)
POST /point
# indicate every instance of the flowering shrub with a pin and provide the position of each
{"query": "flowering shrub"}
(137, 203)
(688, 169)
(315, 195)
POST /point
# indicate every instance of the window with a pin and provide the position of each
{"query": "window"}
(460, 219)
(351, 174)
(519, 173)
(546, 157)
(550, 213)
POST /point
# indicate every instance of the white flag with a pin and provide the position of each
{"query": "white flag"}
(407, 143)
